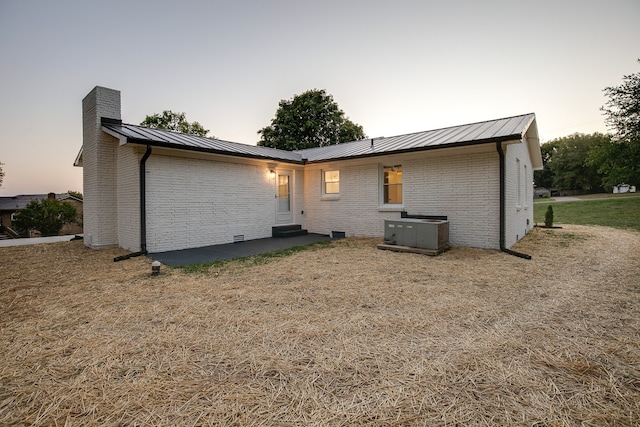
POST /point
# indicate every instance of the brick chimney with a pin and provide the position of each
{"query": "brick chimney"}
(99, 151)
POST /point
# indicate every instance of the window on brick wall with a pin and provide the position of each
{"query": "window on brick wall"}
(330, 182)
(527, 185)
(519, 185)
(392, 185)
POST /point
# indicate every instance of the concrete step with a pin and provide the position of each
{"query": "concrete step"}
(288, 230)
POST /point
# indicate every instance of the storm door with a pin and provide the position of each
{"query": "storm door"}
(284, 202)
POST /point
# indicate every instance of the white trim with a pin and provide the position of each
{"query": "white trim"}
(382, 205)
(324, 184)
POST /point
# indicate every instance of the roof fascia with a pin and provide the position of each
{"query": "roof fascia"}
(78, 161)
(121, 138)
(533, 145)
(514, 138)
(210, 151)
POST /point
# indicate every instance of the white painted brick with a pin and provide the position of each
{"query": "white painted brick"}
(460, 186)
(99, 153)
(195, 202)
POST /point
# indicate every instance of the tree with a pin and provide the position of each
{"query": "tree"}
(1, 174)
(176, 122)
(619, 159)
(46, 215)
(566, 165)
(312, 119)
(544, 178)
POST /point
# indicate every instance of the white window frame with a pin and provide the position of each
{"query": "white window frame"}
(325, 195)
(527, 185)
(383, 204)
(518, 185)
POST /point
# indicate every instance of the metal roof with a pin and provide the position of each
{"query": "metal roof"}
(509, 128)
(163, 138)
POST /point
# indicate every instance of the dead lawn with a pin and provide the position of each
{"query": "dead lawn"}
(345, 335)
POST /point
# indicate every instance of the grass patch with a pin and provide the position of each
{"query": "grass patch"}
(259, 259)
(623, 213)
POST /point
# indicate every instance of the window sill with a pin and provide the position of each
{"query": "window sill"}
(391, 208)
(329, 197)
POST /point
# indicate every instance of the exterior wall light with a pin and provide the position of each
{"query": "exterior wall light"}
(272, 170)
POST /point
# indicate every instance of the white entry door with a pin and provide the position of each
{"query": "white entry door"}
(284, 201)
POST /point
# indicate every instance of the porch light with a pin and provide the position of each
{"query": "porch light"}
(272, 174)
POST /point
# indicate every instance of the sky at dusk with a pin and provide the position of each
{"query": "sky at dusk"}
(394, 67)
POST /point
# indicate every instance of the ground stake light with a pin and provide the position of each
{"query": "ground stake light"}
(155, 268)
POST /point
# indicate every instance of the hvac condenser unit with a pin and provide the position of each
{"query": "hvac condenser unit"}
(417, 233)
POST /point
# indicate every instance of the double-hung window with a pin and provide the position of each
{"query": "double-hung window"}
(330, 182)
(519, 183)
(392, 185)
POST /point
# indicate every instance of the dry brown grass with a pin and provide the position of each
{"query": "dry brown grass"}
(343, 335)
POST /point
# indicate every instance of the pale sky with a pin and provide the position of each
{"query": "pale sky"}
(394, 67)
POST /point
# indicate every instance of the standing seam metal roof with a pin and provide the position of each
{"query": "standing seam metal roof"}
(508, 128)
(163, 138)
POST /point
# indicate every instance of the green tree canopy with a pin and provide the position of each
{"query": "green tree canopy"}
(618, 160)
(544, 177)
(311, 119)
(176, 122)
(46, 215)
(566, 165)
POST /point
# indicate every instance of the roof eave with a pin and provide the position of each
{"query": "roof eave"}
(78, 161)
(210, 151)
(514, 137)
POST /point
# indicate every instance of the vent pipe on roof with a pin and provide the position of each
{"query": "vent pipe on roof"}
(503, 219)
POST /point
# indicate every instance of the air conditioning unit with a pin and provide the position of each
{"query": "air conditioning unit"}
(417, 233)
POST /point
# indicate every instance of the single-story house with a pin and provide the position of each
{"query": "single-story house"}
(150, 190)
(9, 205)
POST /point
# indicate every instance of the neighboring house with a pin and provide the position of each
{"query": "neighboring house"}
(10, 205)
(153, 190)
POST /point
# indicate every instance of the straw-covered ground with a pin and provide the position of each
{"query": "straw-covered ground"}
(344, 334)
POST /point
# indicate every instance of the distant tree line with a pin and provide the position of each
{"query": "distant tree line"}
(596, 162)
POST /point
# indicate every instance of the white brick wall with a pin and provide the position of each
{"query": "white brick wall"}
(464, 187)
(194, 202)
(99, 168)
(128, 202)
(519, 217)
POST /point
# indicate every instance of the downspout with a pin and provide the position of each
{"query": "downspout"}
(503, 219)
(143, 209)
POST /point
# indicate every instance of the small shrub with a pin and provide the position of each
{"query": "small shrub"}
(548, 217)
